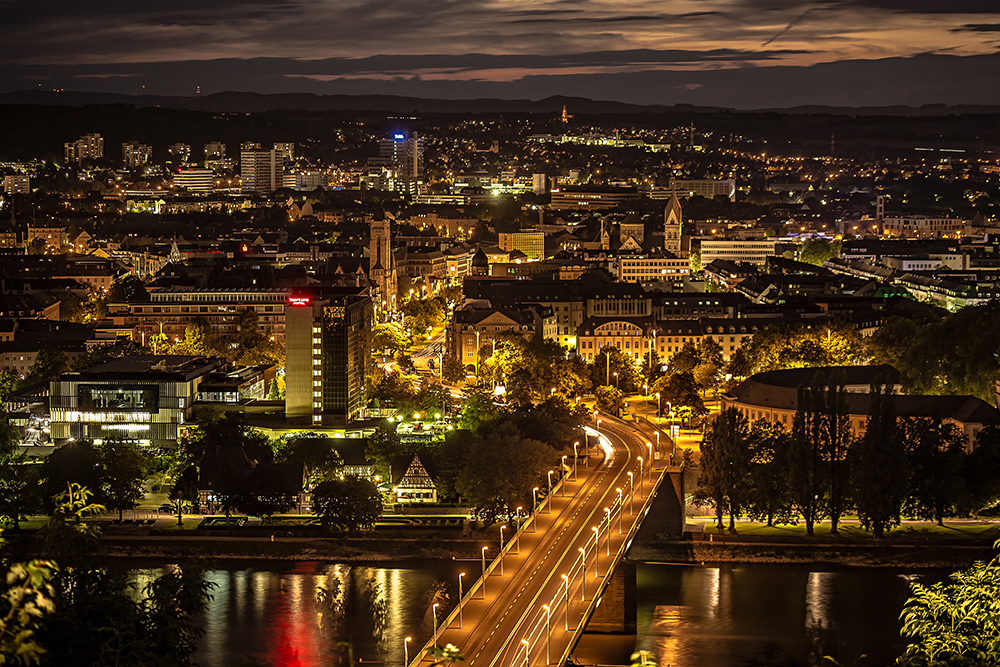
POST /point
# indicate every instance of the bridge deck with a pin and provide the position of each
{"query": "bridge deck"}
(502, 620)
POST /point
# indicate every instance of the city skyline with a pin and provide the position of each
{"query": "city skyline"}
(738, 53)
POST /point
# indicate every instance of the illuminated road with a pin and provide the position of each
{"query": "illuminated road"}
(508, 623)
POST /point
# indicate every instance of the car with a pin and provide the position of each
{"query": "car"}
(169, 508)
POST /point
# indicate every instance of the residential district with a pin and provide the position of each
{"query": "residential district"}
(450, 324)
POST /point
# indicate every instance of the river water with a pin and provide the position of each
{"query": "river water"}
(728, 616)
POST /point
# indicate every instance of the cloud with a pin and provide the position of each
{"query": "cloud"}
(978, 27)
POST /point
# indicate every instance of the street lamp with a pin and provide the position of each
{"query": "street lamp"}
(534, 506)
(477, 354)
(658, 405)
(621, 510)
(563, 471)
(501, 549)
(548, 632)
(640, 475)
(548, 509)
(607, 514)
(618, 384)
(406, 651)
(484, 571)
(631, 494)
(650, 446)
(597, 549)
(434, 616)
(583, 574)
(517, 531)
(460, 575)
(566, 581)
(575, 456)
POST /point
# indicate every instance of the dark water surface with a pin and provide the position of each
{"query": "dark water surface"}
(726, 616)
(734, 615)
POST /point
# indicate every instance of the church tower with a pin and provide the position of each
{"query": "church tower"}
(381, 266)
(672, 221)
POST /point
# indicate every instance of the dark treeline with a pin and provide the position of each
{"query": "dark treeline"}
(913, 467)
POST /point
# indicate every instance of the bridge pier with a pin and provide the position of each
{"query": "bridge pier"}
(616, 611)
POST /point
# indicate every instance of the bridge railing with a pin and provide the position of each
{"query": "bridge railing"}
(540, 625)
(469, 595)
(619, 555)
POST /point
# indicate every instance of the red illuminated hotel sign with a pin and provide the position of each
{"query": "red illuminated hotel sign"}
(299, 301)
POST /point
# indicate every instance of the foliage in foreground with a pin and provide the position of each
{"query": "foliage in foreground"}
(955, 624)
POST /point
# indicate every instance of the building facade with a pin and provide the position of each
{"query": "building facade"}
(327, 348)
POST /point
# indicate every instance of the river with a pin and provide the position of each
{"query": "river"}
(701, 616)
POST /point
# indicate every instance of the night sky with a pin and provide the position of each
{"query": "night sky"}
(737, 53)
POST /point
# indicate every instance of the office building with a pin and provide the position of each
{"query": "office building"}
(590, 197)
(141, 398)
(651, 268)
(17, 184)
(706, 188)
(262, 170)
(135, 154)
(754, 252)
(170, 311)
(531, 243)
(327, 347)
(89, 146)
(194, 179)
(923, 226)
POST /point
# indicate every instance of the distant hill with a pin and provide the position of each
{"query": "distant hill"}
(249, 102)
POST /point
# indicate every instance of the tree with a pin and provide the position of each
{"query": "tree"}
(609, 400)
(98, 616)
(835, 431)
(955, 624)
(351, 502)
(198, 339)
(76, 462)
(128, 289)
(880, 466)
(389, 338)
(686, 359)
(934, 452)
(123, 470)
(500, 471)
(818, 250)
(317, 454)
(768, 499)
(383, 445)
(679, 390)
(727, 462)
(611, 361)
(262, 493)
(452, 370)
(806, 482)
(49, 364)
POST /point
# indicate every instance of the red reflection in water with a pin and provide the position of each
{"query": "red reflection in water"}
(292, 628)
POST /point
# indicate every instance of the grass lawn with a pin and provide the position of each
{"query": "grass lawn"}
(190, 523)
(980, 532)
(30, 524)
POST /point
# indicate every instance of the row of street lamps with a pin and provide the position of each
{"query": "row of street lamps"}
(567, 580)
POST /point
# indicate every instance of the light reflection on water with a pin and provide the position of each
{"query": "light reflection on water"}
(770, 614)
(728, 616)
(269, 616)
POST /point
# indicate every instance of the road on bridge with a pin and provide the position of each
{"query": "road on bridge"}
(502, 621)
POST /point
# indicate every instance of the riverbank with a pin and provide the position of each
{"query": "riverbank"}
(872, 555)
(397, 549)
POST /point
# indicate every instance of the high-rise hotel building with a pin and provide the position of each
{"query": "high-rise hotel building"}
(327, 347)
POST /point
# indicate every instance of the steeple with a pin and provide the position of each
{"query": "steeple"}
(673, 220)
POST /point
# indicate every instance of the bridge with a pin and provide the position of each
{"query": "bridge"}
(559, 572)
